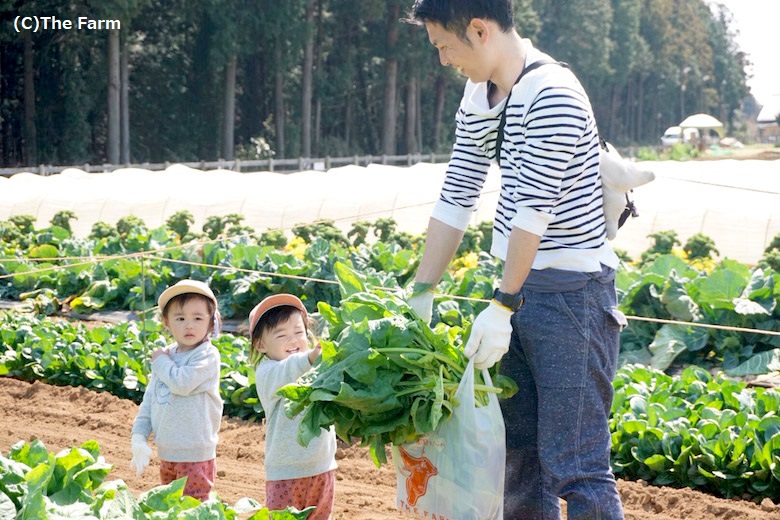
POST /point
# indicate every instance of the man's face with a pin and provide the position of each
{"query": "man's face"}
(455, 52)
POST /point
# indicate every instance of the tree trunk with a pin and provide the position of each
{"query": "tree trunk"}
(348, 123)
(30, 131)
(318, 66)
(124, 100)
(317, 126)
(307, 86)
(438, 112)
(3, 158)
(612, 124)
(279, 111)
(391, 81)
(411, 116)
(229, 117)
(112, 142)
(418, 117)
(640, 109)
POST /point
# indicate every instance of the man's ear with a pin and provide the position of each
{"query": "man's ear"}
(480, 29)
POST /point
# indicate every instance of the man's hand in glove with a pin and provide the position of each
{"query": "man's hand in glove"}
(141, 453)
(421, 301)
(490, 335)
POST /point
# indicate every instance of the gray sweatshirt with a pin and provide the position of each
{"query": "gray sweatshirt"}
(284, 457)
(182, 405)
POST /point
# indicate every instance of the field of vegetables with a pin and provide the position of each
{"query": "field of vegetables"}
(684, 415)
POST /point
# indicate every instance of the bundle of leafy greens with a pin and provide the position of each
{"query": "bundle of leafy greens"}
(384, 376)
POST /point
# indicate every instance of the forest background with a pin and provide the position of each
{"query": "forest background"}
(186, 81)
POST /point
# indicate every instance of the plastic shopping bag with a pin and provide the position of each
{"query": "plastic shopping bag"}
(456, 472)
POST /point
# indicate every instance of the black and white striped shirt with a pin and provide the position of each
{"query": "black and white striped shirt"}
(550, 183)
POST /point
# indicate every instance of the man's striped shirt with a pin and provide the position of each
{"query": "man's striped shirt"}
(550, 182)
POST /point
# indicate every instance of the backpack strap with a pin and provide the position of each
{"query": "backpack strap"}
(502, 122)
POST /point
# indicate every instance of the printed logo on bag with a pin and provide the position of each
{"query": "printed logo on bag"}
(421, 469)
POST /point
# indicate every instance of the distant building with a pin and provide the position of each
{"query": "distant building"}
(768, 129)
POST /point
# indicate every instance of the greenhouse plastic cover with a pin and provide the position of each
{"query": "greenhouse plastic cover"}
(736, 203)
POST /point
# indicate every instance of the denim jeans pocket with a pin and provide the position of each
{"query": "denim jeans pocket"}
(615, 318)
(555, 339)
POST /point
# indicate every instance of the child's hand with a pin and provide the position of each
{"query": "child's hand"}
(315, 352)
(158, 352)
(141, 453)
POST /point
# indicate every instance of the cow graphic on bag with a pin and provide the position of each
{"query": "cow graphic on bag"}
(420, 470)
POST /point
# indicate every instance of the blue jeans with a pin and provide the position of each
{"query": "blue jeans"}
(563, 355)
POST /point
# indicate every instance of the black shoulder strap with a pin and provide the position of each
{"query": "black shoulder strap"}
(528, 68)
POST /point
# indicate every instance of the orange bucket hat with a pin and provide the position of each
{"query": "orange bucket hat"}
(271, 302)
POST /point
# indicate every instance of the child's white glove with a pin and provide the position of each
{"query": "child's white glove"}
(490, 336)
(422, 303)
(142, 454)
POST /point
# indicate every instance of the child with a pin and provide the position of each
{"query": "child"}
(182, 405)
(295, 476)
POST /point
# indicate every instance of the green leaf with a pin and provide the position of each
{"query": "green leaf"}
(761, 363)
(163, 498)
(43, 251)
(7, 506)
(672, 339)
(749, 307)
(657, 463)
(116, 502)
(349, 281)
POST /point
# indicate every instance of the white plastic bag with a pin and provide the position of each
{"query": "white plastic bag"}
(457, 472)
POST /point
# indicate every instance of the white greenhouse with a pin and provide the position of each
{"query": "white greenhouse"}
(736, 203)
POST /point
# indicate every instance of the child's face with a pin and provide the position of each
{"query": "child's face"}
(190, 323)
(286, 338)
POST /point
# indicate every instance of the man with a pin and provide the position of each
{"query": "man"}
(554, 314)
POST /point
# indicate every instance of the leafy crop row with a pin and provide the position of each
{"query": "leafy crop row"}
(696, 431)
(111, 358)
(667, 283)
(36, 484)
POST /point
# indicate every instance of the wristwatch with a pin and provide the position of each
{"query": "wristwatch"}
(510, 301)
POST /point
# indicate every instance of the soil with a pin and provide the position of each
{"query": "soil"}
(62, 417)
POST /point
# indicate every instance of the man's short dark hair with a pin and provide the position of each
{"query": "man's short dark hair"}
(455, 15)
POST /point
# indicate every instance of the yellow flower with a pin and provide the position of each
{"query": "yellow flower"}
(462, 264)
(703, 264)
(297, 247)
(680, 253)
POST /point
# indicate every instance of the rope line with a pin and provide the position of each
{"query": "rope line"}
(152, 255)
(243, 270)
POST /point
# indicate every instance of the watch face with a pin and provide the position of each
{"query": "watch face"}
(513, 301)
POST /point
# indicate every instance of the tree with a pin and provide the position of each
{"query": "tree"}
(390, 105)
(307, 86)
(114, 109)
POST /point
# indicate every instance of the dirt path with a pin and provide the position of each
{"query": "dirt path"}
(62, 417)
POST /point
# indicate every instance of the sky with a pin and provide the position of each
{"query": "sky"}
(757, 23)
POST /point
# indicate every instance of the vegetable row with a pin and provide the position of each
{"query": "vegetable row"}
(36, 484)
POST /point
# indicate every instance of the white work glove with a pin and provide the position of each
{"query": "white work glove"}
(490, 336)
(141, 454)
(422, 303)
